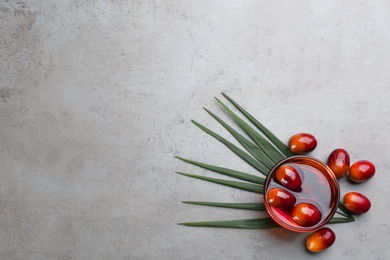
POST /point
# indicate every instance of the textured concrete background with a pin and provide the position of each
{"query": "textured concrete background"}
(96, 98)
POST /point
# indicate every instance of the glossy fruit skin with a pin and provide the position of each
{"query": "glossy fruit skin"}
(356, 202)
(338, 162)
(281, 198)
(361, 171)
(302, 143)
(306, 215)
(320, 240)
(289, 177)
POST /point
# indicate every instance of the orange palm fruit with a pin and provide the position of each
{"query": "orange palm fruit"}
(281, 198)
(302, 143)
(338, 162)
(289, 177)
(306, 215)
(361, 171)
(320, 240)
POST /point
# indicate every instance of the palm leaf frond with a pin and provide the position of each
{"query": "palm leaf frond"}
(243, 155)
(233, 184)
(268, 149)
(275, 140)
(258, 223)
(246, 206)
(254, 150)
(225, 171)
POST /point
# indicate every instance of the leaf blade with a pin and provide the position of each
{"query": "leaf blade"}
(268, 149)
(254, 150)
(259, 223)
(225, 171)
(245, 206)
(336, 220)
(233, 184)
(275, 140)
(239, 152)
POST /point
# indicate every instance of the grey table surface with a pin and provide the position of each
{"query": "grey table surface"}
(97, 97)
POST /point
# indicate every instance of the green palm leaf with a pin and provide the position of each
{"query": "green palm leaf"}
(228, 172)
(257, 153)
(243, 155)
(246, 206)
(234, 184)
(258, 223)
(336, 220)
(268, 149)
(276, 141)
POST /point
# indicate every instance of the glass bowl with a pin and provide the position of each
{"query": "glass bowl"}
(319, 187)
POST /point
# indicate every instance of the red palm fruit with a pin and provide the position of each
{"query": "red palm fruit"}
(289, 177)
(306, 215)
(356, 202)
(280, 198)
(302, 143)
(320, 240)
(338, 162)
(361, 171)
